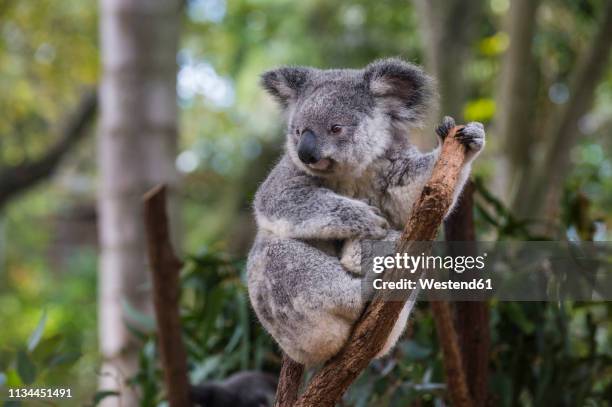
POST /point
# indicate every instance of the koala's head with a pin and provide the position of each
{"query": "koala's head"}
(340, 120)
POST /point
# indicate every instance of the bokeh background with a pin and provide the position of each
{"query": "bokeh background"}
(78, 75)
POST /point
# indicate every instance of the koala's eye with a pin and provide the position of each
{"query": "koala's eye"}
(336, 129)
(297, 132)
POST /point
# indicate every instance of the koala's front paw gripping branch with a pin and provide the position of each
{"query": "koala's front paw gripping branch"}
(372, 330)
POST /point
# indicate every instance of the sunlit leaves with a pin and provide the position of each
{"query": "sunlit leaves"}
(480, 110)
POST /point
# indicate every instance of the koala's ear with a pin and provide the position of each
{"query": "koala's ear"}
(286, 84)
(401, 89)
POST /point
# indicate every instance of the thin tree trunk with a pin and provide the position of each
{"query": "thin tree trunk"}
(546, 181)
(454, 366)
(471, 317)
(449, 30)
(516, 99)
(136, 149)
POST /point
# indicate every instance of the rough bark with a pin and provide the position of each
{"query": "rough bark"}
(136, 150)
(371, 331)
(471, 317)
(545, 183)
(514, 120)
(289, 382)
(165, 271)
(16, 179)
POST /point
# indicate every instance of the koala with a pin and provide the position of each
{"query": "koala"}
(242, 389)
(348, 173)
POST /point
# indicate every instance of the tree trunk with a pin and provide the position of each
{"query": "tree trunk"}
(136, 149)
(516, 99)
(543, 190)
(449, 30)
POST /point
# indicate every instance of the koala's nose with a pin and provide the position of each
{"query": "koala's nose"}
(307, 148)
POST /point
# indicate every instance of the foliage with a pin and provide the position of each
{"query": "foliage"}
(34, 362)
(219, 331)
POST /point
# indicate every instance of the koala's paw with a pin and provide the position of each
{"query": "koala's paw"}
(350, 257)
(364, 221)
(472, 136)
(376, 224)
(442, 130)
(371, 223)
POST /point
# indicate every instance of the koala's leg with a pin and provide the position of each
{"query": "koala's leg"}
(304, 298)
(351, 258)
(400, 324)
(353, 251)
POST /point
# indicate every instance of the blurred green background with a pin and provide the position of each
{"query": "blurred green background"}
(230, 136)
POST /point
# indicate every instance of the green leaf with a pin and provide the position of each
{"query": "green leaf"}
(25, 368)
(12, 378)
(102, 394)
(64, 359)
(142, 320)
(517, 315)
(38, 332)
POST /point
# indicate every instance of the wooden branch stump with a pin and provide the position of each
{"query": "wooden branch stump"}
(165, 270)
(371, 331)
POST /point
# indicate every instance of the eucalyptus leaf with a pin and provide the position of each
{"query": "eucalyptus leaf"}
(133, 315)
(38, 332)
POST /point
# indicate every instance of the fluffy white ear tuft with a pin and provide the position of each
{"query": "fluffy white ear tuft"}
(401, 89)
(286, 83)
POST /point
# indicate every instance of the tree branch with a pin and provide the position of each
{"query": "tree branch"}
(372, 330)
(165, 270)
(16, 179)
(289, 382)
(456, 382)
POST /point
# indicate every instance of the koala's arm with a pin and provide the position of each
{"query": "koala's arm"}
(416, 168)
(293, 205)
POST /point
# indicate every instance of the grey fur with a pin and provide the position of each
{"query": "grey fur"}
(364, 186)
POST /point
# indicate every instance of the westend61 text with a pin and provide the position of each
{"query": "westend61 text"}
(432, 284)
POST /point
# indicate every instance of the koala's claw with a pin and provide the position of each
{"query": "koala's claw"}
(447, 124)
(472, 136)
